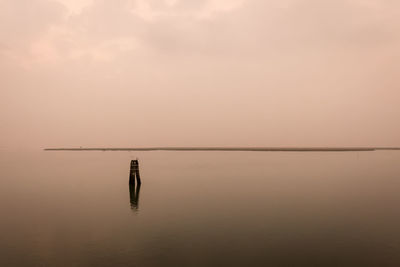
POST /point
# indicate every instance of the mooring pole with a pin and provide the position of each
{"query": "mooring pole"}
(134, 172)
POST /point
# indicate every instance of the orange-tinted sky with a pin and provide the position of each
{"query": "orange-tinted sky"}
(199, 72)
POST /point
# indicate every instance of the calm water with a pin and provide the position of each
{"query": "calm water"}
(200, 209)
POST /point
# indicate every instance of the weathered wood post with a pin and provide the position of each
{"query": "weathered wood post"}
(134, 172)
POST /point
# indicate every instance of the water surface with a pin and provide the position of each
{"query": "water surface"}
(200, 209)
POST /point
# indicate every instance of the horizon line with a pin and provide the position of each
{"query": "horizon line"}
(265, 149)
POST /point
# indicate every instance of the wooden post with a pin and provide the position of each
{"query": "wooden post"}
(134, 172)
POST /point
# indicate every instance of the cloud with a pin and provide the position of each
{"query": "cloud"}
(76, 6)
(99, 29)
(25, 20)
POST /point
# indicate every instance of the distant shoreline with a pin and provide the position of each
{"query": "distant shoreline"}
(265, 149)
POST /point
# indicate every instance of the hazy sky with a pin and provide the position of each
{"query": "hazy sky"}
(199, 72)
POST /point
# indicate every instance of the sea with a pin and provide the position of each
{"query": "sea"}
(198, 208)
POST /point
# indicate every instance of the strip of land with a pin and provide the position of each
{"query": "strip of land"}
(282, 149)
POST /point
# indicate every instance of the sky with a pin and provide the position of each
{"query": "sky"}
(135, 73)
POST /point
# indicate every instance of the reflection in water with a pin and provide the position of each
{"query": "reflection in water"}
(134, 191)
(134, 196)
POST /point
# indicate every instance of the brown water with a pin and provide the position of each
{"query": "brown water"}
(200, 209)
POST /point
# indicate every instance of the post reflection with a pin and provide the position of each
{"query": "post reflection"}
(134, 196)
(133, 189)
